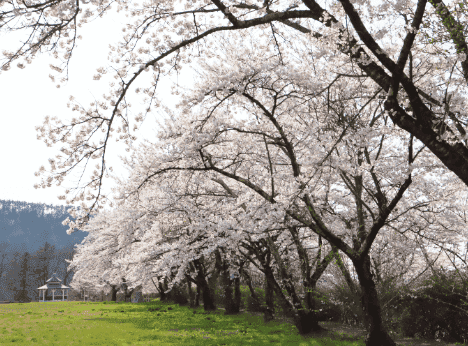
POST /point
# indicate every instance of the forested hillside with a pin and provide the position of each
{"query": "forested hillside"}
(27, 226)
(33, 245)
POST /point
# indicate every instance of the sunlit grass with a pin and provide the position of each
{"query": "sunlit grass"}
(78, 323)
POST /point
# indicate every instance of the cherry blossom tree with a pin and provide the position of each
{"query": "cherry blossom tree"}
(365, 170)
(173, 246)
(414, 52)
(97, 259)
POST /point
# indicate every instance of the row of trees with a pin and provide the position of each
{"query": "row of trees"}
(302, 177)
(317, 132)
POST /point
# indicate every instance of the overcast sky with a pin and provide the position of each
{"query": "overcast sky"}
(28, 95)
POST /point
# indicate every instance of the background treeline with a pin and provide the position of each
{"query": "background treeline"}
(21, 273)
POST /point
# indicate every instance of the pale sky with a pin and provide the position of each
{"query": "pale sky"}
(28, 95)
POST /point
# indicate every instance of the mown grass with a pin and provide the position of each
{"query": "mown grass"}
(78, 323)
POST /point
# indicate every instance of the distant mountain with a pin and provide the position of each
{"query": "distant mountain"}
(27, 226)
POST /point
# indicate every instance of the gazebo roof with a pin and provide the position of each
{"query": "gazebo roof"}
(53, 283)
(54, 287)
(54, 278)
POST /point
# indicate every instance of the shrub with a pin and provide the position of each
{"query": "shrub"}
(436, 310)
(327, 311)
(347, 303)
(252, 305)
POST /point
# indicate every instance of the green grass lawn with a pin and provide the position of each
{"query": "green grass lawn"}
(78, 323)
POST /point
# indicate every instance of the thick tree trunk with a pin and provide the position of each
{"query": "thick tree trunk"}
(127, 295)
(346, 316)
(216, 273)
(208, 302)
(310, 279)
(377, 333)
(304, 319)
(114, 291)
(268, 311)
(232, 299)
(161, 289)
(197, 296)
(270, 306)
(253, 294)
(190, 292)
(229, 308)
(231, 303)
(237, 294)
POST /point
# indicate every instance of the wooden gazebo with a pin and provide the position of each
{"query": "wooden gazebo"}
(52, 285)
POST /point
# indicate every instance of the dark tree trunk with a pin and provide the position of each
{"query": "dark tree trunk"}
(216, 273)
(232, 299)
(346, 317)
(377, 333)
(161, 289)
(231, 305)
(304, 319)
(229, 308)
(208, 302)
(190, 292)
(178, 295)
(270, 306)
(196, 302)
(197, 296)
(237, 293)
(310, 279)
(114, 291)
(128, 296)
(114, 295)
(253, 294)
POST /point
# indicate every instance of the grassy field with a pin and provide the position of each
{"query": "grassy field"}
(155, 323)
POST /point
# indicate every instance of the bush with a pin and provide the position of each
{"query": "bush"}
(348, 304)
(218, 296)
(328, 311)
(436, 311)
(252, 305)
(179, 296)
